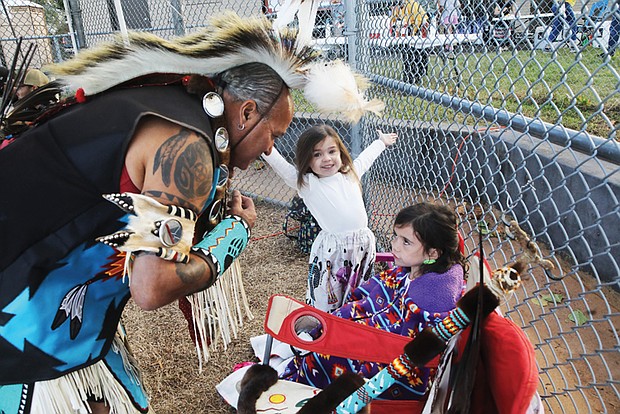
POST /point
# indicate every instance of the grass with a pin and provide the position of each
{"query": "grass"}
(579, 91)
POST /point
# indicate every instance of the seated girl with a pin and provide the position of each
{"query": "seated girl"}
(422, 288)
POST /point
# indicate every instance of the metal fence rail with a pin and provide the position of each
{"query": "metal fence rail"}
(490, 123)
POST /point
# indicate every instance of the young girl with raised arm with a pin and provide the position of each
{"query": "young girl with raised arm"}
(328, 181)
(424, 286)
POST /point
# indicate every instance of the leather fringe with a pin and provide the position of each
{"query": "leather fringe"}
(218, 312)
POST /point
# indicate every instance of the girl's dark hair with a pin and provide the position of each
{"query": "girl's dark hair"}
(436, 228)
(305, 148)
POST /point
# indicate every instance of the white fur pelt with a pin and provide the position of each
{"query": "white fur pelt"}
(145, 211)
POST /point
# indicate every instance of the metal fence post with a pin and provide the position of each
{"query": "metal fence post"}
(350, 18)
(177, 17)
(74, 19)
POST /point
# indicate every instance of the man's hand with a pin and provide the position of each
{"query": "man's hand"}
(388, 139)
(243, 207)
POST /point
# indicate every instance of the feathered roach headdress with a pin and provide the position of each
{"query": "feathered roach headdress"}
(227, 42)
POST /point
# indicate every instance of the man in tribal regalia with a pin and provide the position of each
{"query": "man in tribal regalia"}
(155, 127)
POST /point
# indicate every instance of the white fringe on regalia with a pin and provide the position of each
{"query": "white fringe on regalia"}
(218, 312)
(68, 394)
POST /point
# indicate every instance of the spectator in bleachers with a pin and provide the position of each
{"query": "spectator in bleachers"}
(430, 6)
(449, 19)
(407, 18)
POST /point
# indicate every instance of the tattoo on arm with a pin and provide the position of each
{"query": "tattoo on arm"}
(189, 166)
(193, 168)
(167, 153)
(192, 272)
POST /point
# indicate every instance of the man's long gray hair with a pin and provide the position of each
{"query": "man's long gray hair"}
(255, 81)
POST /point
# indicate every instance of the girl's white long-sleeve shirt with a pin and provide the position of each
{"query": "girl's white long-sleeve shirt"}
(335, 202)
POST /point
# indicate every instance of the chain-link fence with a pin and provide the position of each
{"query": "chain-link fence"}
(504, 109)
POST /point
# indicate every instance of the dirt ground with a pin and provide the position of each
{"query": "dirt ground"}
(272, 264)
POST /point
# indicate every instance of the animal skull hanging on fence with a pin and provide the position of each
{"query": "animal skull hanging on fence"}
(507, 278)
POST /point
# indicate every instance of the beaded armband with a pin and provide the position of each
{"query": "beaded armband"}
(451, 324)
(166, 230)
(222, 245)
(400, 366)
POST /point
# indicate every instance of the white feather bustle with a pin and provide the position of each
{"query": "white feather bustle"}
(306, 11)
(141, 61)
(228, 41)
(286, 13)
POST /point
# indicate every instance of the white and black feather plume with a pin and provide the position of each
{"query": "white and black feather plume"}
(229, 41)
